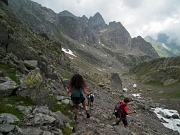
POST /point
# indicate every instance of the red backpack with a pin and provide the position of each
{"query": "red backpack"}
(119, 109)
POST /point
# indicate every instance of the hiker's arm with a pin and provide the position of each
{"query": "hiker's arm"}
(85, 92)
(68, 89)
(130, 112)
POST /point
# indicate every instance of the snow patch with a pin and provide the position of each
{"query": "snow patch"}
(137, 95)
(68, 51)
(169, 121)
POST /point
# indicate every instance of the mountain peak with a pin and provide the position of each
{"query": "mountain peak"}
(97, 14)
(96, 22)
(66, 13)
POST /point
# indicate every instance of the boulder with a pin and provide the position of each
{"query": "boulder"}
(8, 118)
(115, 81)
(7, 86)
(30, 64)
(32, 80)
(6, 128)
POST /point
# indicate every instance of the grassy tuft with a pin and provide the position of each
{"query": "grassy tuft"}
(8, 105)
(66, 130)
(65, 109)
(155, 84)
(10, 73)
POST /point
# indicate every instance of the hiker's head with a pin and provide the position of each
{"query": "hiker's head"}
(77, 81)
(126, 100)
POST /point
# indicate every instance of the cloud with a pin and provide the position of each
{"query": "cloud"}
(139, 17)
(133, 3)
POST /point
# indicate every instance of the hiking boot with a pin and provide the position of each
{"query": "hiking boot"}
(88, 115)
(76, 120)
(117, 123)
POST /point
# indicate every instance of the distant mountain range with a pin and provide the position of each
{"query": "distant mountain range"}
(104, 46)
(160, 47)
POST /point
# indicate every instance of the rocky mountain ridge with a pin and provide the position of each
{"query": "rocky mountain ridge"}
(101, 42)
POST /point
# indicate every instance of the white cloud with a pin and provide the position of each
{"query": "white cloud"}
(139, 17)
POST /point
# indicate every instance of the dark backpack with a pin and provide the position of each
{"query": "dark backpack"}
(77, 96)
(119, 109)
(92, 97)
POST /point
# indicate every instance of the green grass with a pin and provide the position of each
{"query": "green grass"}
(66, 130)
(10, 73)
(169, 91)
(174, 94)
(154, 83)
(63, 108)
(8, 105)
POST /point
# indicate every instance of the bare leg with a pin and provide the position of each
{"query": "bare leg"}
(84, 105)
(75, 109)
(85, 108)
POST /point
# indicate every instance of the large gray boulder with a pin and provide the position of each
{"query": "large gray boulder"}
(8, 118)
(115, 81)
(7, 86)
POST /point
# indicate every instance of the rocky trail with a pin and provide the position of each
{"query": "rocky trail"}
(40, 120)
(102, 121)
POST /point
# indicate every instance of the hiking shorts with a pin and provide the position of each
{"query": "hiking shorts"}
(77, 100)
(92, 100)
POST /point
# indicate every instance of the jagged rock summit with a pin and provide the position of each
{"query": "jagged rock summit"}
(93, 41)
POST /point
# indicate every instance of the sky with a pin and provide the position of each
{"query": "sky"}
(139, 17)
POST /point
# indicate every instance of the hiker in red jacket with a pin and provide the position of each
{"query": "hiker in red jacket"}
(124, 111)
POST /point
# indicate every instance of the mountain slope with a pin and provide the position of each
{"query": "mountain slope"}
(160, 49)
(163, 70)
(30, 60)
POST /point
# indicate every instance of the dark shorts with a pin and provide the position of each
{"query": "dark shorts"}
(77, 100)
(92, 100)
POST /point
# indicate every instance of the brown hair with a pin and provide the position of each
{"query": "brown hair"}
(126, 100)
(77, 82)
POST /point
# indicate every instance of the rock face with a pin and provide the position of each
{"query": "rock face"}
(144, 46)
(117, 34)
(96, 22)
(29, 60)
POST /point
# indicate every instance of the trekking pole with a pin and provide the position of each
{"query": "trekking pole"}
(132, 119)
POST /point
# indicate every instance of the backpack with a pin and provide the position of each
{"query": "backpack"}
(119, 109)
(92, 97)
(77, 96)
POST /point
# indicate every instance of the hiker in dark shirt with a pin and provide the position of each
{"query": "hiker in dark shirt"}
(91, 96)
(77, 87)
